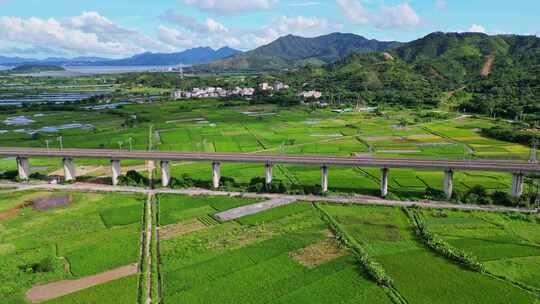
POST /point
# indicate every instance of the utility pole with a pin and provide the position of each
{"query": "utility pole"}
(150, 137)
(120, 144)
(534, 147)
(130, 140)
(60, 140)
(47, 144)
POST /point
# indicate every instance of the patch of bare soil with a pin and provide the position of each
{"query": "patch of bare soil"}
(488, 64)
(180, 229)
(46, 203)
(55, 290)
(387, 56)
(7, 214)
(318, 253)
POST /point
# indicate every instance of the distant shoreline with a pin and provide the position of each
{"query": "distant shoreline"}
(92, 70)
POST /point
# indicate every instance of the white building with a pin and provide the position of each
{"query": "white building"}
(278, 86)
(265, 86)
(311, 94)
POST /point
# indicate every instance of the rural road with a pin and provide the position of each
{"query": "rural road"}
(355, 199)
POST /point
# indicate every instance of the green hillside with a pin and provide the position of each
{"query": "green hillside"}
(481, 73)
(293, 51)
(35, 68)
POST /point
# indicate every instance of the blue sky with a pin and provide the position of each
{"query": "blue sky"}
(118, 28)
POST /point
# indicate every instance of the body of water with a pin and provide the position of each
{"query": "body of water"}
(95, 70)
(50, 97)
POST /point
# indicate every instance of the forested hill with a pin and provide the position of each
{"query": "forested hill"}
(293, 51)
(495, 74)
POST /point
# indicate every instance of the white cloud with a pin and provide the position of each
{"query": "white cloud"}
(88, 33)
(212, 33)
(40, 32)
(215, 27)
(354, 11)
(208, 26)
(476, 28)
(441, 4)
(388, 17)
(399, 16)
(175, 38)
(31, 51)
(307, 3)
(281, 26)
(231, 6)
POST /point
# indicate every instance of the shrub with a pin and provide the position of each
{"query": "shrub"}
(45, 265)
(134, 178)
(434, 194)
(258, 184)
(37, 175)
(477, 195)
(184, 182)
(9, 175)
(502, 198)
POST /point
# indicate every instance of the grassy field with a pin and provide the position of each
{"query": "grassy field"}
(252, 261)
(508, 245)
(92, 234)
(419, 275)
(284, 255)
(119, 291)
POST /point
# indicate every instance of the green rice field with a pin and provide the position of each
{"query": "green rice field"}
(289, 254)
(92, 234)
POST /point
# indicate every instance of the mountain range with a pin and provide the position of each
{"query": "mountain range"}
(200, 55)
(294, 51)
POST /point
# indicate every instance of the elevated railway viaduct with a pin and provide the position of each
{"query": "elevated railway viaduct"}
(516, 168)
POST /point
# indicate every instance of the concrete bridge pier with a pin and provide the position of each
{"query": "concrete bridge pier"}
(384, 182)
(165, 173)
(216, 175)
(23, 168)
(116, 171)
(69, 170)
(324, 178)
(517, 184)
(268, 173)
(448, 183)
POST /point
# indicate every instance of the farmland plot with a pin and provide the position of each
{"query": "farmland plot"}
(93, 233)
(508, 245)
(419, 275)
(277, 256)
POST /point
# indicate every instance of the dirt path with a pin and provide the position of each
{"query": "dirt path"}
(353, 199)
(54, 290)
(147, 257)
(486, 69)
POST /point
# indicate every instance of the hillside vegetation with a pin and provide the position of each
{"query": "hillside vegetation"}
(35, 68)
(495, 75)
(293, 51)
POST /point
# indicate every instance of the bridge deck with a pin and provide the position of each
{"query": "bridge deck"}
(479, 165)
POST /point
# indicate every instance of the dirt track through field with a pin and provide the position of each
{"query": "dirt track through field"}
(54, 290)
